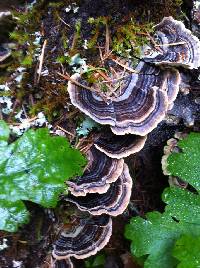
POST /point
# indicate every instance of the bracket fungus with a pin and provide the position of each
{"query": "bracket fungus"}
(139, 107)
(100, 172)
(131, 113)
(177, 45)
(113, 202)
(117, 146)
(84, 239)
(4, 53)
(65, 263)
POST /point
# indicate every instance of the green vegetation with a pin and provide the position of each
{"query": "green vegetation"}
(186, 165)
(33, 168)
(186, 250)
(97, 261)
(158, 237)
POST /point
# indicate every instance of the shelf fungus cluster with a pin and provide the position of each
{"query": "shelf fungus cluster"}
(85, 238)
(151, 90)
(137, 107)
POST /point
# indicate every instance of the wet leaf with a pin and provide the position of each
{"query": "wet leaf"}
(34, 168)
(186, 164)
(155, 236)
(187, 251)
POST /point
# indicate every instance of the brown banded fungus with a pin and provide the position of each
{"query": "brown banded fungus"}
(4, 53)
(100, 172)
(65, 263)
(139, 107)
(113, 202)
(177, 45)
(84, 239)
(117, 146)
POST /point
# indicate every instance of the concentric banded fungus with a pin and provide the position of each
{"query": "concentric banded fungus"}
(101, 171)
(4, 54)
(177, 45)
(113, 202)
(141, 105)
(116, 146)
(84, 239)
(65, 263)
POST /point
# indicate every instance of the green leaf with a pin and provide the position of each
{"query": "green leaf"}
(155, 236)
(187, 251)
(186, 164)
(96, 261)
(34, 168)
(182, 204)
(4, 131)
(13, 214)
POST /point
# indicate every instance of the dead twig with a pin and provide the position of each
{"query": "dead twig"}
(67, 77)
(64, 130)
(171, 44)
(107, 44)
(64, 22)
(41, 61)
(125, 67)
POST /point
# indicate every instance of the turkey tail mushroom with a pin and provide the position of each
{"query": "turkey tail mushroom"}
(116, 146)
(84, 239)
(113, 202)
(177, 45)
(65, 263)
(138, 109)
(100, 172)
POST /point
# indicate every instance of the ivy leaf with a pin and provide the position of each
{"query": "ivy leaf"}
(34, 168)
(155, 236)
(187, 251)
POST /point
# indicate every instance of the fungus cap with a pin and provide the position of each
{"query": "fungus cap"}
(100, 172)
(113, 202)
(177, 45)
(117, 146)
(65, 263)
(84, 239)
(140, 106)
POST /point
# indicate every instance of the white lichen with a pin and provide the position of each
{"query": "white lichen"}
(3, 244)
(73, 7)
(17, 264)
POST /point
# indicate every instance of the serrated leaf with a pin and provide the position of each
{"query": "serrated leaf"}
(155, 236)
(187, 251)
(182, 204)
(186, 164)
(34, 168)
